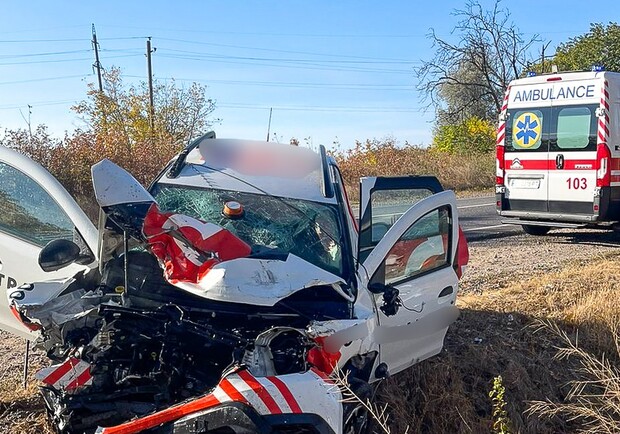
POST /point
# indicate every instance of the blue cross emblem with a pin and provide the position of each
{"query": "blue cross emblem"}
(527, 130)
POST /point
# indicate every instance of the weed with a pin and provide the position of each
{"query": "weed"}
(501, 421)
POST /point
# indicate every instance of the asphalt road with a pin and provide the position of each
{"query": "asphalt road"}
(480, 221)
(477, 217)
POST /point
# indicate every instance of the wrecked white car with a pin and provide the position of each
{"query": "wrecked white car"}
(223, 298)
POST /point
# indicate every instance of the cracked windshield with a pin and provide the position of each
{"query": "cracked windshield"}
(272, 226)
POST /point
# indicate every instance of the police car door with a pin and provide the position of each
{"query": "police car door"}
(527, 148)
(408, 255)
(572, 147)
(34, 209)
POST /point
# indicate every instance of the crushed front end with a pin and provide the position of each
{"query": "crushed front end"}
(186, 328)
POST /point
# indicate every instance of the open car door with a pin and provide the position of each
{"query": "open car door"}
(409, 256)
(34, 210)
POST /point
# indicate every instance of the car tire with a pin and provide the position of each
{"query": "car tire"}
(535, 230)
(357, 419)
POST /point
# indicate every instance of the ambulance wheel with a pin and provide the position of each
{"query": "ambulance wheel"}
(535, 230)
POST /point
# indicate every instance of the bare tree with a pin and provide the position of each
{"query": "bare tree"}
(468, 77)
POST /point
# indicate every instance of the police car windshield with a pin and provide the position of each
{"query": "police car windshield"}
(272, 226)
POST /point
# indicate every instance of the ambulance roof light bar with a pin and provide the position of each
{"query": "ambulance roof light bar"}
(531, 73)
(598, 68)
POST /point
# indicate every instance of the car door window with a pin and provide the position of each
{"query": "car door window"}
(389, 205)
(28, 212)
(424, 247)
(384, 200)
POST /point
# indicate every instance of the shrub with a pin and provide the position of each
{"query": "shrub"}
(387, 158)
(472, 136)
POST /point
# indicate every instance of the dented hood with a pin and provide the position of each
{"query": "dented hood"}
(199, 257)
(260, 282)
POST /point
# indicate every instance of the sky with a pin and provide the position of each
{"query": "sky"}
(331, 71)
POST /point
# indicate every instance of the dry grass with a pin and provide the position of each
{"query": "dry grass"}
(495, 336)
(594, 396)
(21, 410)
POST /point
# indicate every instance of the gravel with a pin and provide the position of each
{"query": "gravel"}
(494, 263)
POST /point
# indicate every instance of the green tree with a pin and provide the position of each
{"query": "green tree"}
(462, 102)
(471, 136)
(601, 46)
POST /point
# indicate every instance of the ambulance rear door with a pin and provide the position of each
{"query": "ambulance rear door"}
(572, 146)
(527, 150)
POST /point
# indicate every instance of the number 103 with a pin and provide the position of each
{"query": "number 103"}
(577, 183)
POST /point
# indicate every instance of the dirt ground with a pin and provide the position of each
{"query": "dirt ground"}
(512, 284)
(498, 262)
(448, 393)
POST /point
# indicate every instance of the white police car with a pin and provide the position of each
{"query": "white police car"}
(222, 298)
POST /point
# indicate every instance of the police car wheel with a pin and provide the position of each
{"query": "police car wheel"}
(535, 230)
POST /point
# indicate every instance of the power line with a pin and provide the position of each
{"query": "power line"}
(357, 109)
(37, 104)
(280, 59)
(273, 50)
(26, 41)
(37, 41)
(308, 66)
(65, 60)
(43, 79)
(309, 35)
(303, 85)
(54, 53)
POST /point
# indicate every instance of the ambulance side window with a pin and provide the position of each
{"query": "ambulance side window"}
(576, 128)
(28, 211)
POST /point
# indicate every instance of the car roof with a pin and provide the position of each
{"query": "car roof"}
(254, 167)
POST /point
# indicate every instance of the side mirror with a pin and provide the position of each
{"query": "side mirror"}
(391, 299)
(58, 254)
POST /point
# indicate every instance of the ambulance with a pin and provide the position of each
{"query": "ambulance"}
(558, 151)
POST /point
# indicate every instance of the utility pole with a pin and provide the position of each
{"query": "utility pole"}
(29, 125)
(28, 122)
(97, 64)
(269, 125)
(542, 60)
(150, 74)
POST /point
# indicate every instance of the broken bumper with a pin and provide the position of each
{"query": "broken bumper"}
(239, 418)
(242, 403)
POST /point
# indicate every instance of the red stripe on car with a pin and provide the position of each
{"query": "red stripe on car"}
(286, 394)
(60, 372)
(260, 391)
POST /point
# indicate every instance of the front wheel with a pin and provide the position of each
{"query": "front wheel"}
(535, 230)
(357, 418)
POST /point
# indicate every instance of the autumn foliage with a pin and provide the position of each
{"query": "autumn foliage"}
(459, 171)
(119, 127)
